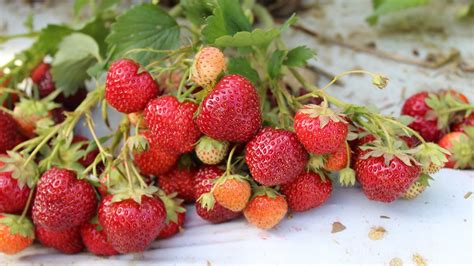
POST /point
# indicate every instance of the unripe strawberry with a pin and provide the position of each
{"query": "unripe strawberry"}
(266, 210)
(211, 151)
(339, 159)
(232, 192)
(414, 191)
(16, 233)
(208, 64)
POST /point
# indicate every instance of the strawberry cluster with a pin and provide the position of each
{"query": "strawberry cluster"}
(196, 129)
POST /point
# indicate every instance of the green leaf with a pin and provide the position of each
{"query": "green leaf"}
(50, 37)
(76, 54)
(97, 29)
(258, 37)
(382, 7)
(299, 56)
(466, 10)
(29, 22)
(276, 62)
(241, 66)
(79, 5)
(228, 18)
(197, 10)
(143, 26)
(105, 5)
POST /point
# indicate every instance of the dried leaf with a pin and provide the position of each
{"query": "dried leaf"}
(468, 194)
(377, 233)
(396, 262)
(337, 227)
(419, 260)
(384, 217)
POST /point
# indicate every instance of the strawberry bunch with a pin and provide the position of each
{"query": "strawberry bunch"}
(220, 129)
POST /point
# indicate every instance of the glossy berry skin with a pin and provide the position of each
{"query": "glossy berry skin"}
(180, 181)
(384, 183)
(467, 122)
(171, 228)
(203, 184)
(265, 212)
(157, 160)
(447, 142)
(233, 194)
(172, 123)
(337, 160)
(67, 241)
(275, 156)
(129, 226)
(127, 88)
(319, 140)
(307, 191)
(95, 240)
(12, 198)
(62, 201)
(12, 243)
(42, 77)
(9, 133)
(416, 107)
(414, 191)
(208, 64)
(231, 111)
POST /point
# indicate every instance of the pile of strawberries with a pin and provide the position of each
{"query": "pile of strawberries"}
(208, 142)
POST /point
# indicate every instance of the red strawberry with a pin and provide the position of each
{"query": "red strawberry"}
(157, 160)
(16, 233)
(307, 191)
(339, 159)
(457, 95)
(275, 156)
(208, 64)
(411, 142)
(319, 129)
(95, 240)
(71, 102)
(66, 241)
(416, 107)
(13, 198)
(460, 147)
(42, 77)
(172, 228)
(383, 182)
(62, 201)
(172, 123)
(9, 134)
(265, 211)
(467, 121)
(180, 180)
(90, 157)
(231, 111)
(128, 89)
(130, 226)
(204, 183)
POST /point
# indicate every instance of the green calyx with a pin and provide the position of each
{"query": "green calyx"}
(388, 153)
(347, 177)
(315, 162)
(424, 180)
(462, 151)
(138, 143)
(379, 81)
(264, 191)
(24, 174)
(18, 225)
(173, 205)
(207, 200)
(31, 107)
(429, 155)
(135, 193)
(65, 154)
(324, 114)
(206, 143)
(444, 107)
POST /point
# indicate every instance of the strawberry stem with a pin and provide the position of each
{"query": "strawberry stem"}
(28, 202)
(229, 161)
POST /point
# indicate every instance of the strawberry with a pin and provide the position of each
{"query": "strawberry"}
(31, 113)
(266, 209)
(157, 160)
(231, 111)
(275, 156)
(309, 190)
(137, 117)
(62, 201)
(180, 180)
(9, 133)
(67, 241)
(417, 107)
(130, 226)
(203, 184)
(319, 129)
(128, 89)
(208, 64)
(42, 77)
(211, 151)
(460, 146)
(466, 122)
(13, 197)
(89, 158)
(95, 240)
(175, 215)
(16, 233)
(417, 187)
(457, 95)
(232, 192)
(383, 178)
(172, 124)
(339, 159)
